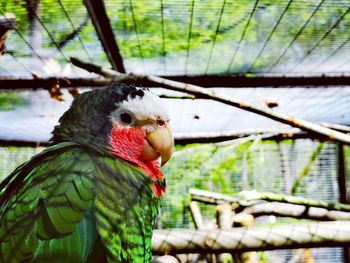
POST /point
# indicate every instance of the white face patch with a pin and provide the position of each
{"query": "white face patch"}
(143, 109)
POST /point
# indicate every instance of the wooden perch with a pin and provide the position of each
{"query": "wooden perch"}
(224, 216)
(224, 220)
(203, 93)
(209, 197)
(299, 201)
(244, 198)
(296, 211)
(176, 241)
(337, 127)
(196, 215)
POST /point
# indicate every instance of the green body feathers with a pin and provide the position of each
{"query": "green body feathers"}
(71, 204)
(79, 201)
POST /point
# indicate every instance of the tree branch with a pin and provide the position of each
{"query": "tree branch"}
(307, 168)
(301, 201)
(295, 211)
(244, 198)
(212, 198)
(176, 241)
(203, 93)
(196, 215)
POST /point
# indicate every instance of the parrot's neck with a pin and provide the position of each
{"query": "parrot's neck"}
(127, 144)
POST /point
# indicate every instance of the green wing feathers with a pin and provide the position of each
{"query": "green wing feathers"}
(125, 211)
(69, 205)
(52, 200)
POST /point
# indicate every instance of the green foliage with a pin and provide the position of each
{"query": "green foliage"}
(10, 100)
(189, 170)
(149, 19)
(11, 157)
(347, 166)
(226, 169)
(297, 183)
(263, 258)
(208, 167)
(229, 169)
(153, 29)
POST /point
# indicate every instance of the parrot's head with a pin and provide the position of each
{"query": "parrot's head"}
(129, 122)
(140, 129)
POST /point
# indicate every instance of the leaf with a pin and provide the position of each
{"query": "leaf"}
(55, 91)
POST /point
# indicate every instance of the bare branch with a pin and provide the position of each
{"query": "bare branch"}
(224, 220)
(300, 201)
(175, 241)
(245, 198)
(213, 198)
(295, 211)
(196, 215)
(307, 168)
(337, 127)
(200, 92)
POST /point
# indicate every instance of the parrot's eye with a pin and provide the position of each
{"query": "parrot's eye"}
(161, 122)
(125, 117)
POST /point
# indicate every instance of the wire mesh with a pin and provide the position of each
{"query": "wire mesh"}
(302, 167)
(45, 37)
(230, 168)
(35, 118)
(242, 165)
(11, 157)
(194, 37)
(227, 37)
(208, 37)
(317, 255)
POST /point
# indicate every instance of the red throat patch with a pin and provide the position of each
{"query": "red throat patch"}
(127, 143)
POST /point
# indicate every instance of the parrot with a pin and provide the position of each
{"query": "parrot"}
(94, 194)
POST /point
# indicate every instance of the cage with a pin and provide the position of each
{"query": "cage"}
(258, 96)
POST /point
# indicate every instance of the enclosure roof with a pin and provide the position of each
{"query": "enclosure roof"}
(210, 41)
(185, 37)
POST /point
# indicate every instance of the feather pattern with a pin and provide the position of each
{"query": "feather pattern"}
(75, 205)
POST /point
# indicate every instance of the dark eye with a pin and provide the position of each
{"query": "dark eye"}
(161, 122)
(126, 118)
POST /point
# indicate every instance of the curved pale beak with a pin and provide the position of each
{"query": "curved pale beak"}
(159, 143)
